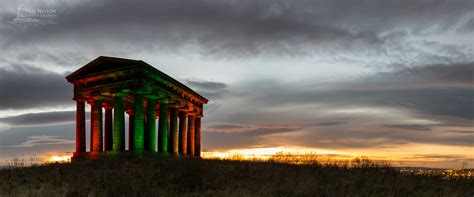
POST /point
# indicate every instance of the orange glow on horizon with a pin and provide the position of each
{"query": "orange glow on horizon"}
(414, 155)
(268, 152)
(57, 158)
(400, 156)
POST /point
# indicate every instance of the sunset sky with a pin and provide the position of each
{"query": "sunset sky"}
(386, 79)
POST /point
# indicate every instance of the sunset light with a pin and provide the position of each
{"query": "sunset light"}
(268, 152)
(59, 159)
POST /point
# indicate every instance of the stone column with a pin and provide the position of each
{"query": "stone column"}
(174, 130)
(163, 127)
(197, 136)
(131, 131)
(119, 125)
(151, 123)
(108, 128)
(190, 145)
(80, 125)
(139, 122)
(146, 143)
(182, 133)
(96, 125)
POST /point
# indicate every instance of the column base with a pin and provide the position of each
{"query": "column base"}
(82, 156)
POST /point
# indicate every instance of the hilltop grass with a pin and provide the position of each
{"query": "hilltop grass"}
(167, 176)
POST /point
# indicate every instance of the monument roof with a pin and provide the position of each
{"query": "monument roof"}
(107, 64)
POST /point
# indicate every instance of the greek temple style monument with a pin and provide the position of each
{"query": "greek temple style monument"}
(115, 86)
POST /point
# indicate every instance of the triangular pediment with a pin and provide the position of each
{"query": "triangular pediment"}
(103, 64)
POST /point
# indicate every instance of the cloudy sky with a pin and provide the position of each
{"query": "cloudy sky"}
(388, 79)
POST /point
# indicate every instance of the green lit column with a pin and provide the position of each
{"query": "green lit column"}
(139, 123)
(190, 145)
(119, 125)
(151, 123)
(174, 130)
(182, 133)
(163, 127)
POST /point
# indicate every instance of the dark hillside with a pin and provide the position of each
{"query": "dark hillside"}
(171, 177)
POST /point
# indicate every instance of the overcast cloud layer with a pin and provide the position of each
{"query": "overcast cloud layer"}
(342, 75)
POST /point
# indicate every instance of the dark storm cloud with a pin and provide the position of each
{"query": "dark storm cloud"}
(230, 27)
(444, 90)
(437, 75)
(461, 132)
(24, 86)
(268, 131)
(206, 85)
(216, 140)
(366, 137)
(241, 28)
(327, 124)
(455, 102)
(249, 130)
(209, 89)
(16, 135)
(409, 127)
(433, 89)
(352, 134)
(225, 138)
(226, 127)
(57, 58)
(33, 141)
(45, 118)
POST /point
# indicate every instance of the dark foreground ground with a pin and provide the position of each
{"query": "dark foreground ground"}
(195, 177)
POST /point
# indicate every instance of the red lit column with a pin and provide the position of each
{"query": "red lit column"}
(197, 136)
(131, 133)
(190, 145)
(96, 125)
(80, 126)
(174, 130)
(182, 133)
(108, 128)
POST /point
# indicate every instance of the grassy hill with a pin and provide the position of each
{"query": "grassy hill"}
(169, 176)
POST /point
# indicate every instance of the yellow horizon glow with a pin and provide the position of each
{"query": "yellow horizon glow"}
(406, 155)
(268, 152)
(400, 156)
(57, 158)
